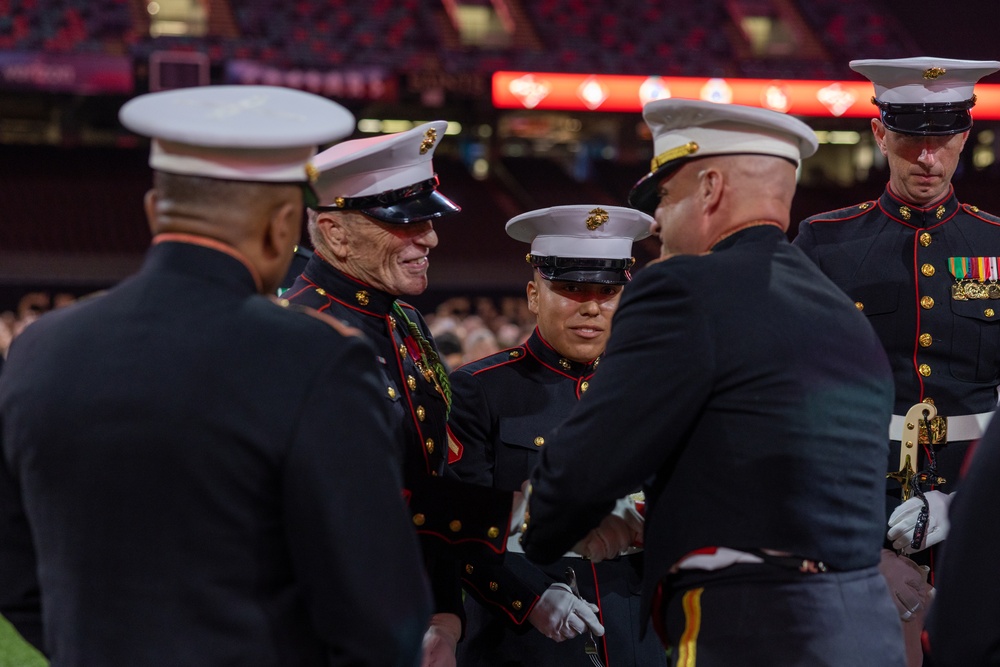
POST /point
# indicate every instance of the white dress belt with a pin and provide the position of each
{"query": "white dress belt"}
(960, 427)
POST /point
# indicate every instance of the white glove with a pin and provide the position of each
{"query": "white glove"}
(440, 641)
(617, 532)
(628, 508)
(560, 615)
(904, 520)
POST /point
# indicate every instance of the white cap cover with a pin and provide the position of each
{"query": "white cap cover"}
(689, 129)
(390, 177)
(240, 133)
(925, 95)
(581, 243)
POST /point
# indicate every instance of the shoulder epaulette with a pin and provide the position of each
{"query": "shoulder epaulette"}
(494, 360)
(981, 214)
(846, 213)
(336, 324)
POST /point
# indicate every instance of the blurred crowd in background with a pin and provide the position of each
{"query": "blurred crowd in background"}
(464, 328)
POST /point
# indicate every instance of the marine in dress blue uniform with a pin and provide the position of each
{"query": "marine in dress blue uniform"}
(748, 396)
(504, 407)
(922, 267)
(372, 231)
(187, 479)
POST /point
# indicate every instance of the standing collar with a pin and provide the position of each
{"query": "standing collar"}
(912, 215)
(200, 255)
(753, 232)
(346, 289)
(549, 357)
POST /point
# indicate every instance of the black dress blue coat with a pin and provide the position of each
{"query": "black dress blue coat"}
(449, 515)
(891, 258)
(505, 406)
(187, 480)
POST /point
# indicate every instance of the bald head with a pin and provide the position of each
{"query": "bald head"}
(709, 198)
(761, 187)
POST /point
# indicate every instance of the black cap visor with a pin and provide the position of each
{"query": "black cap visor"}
(643, 196)
(927, 119)
(583, 269)
(414, 203)
(415, 209)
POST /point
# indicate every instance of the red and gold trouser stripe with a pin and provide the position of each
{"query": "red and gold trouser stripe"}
(687, 647)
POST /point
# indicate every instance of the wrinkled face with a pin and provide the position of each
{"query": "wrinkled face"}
(392, 258)
(920, 168)
(674, 213)
(574, 318)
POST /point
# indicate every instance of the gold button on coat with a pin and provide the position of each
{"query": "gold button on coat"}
(411, 382)
(402, 350)
(926, 302)
(925, 239)
(927, 270)
(362, 297)
(539, 441)
(494, 586)
(988, 312)
(421, 413)
(584, 386)
(859, 305)
(493, 532)
(419, 519)
(516, 604)
(455, 526)
(430, 445)
(392, 392)
(469, 568)
(924, 370)
(925, 340)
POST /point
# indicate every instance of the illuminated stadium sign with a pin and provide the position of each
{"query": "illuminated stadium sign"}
(608, 92)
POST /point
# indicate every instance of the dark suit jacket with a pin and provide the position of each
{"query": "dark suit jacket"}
(186, 474)
(748, 394)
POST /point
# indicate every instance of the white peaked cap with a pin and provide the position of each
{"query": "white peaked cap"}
(690, 129)
(239, 133)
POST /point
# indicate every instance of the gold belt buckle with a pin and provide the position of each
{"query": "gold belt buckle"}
(938, 431)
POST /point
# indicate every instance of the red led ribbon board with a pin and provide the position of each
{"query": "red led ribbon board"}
(609, 92)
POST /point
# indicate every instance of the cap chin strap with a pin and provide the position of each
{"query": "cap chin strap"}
(582, 263)
(927, 119)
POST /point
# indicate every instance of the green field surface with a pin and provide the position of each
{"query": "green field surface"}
(14, 651)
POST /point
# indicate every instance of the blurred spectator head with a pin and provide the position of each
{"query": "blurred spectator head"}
(450, 348)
